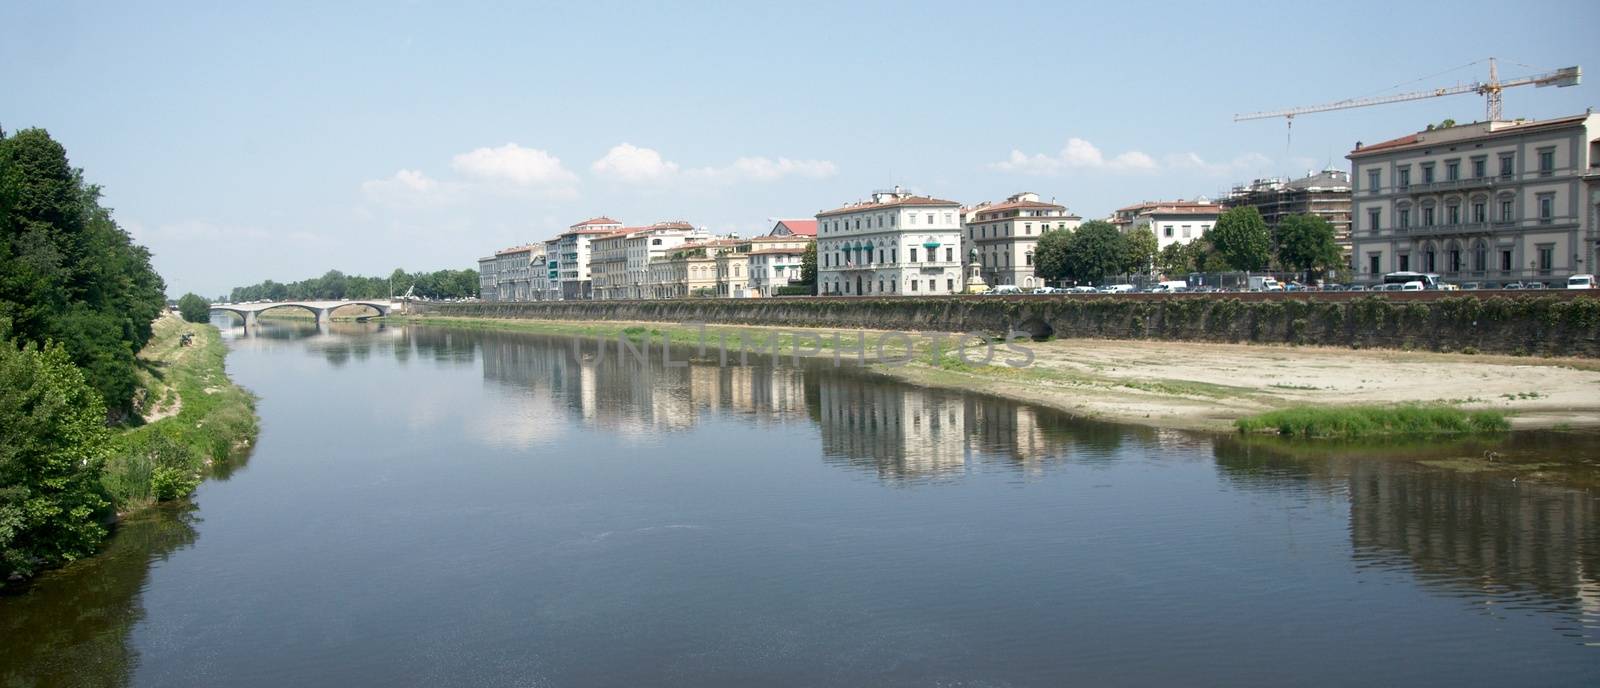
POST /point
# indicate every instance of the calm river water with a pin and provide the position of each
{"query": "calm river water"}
(442, 507)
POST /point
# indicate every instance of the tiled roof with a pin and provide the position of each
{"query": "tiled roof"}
(799, 227)
(773, 251)
(1467, 132)
(602, 220)
(516, 249)
(908, 201)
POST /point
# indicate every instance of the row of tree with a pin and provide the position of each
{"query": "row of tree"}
(1240, 240)
(77, 300)
(333, 285)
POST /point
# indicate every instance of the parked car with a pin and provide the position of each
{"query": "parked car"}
(1003, 289)
(1412, 286)
(1082, 289)
(1116, 289)
(1043, 290)
(1533, 285)
(1511, 285)
(1471, 286)
(1580, 282)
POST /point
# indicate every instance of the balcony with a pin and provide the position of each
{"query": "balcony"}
(1451, 185)
(1446, 230)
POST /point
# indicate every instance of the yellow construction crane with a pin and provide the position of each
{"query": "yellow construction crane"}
(1490, 90)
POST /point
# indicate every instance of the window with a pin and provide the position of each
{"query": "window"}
(1505, 260)
(1455, 260)
(1405, 177)
(891, 286)
(1547, 205)
(1505, 210)
(1373, 177)
(1405, 262)
(1546, 258)
(1427, 261)
(891, 224)
(1506, 166)
(949, 254)
(1029, 256)
(1186, 231)
(931, 284)
(858, 223)
(1480, 168)
(949, 285)
(1454, 213)
(1374, 269)
(1427, 173)
(891, 259)
(1168, 231)
(1372, 219)
(930, 218)
(913, 255)
(1427, 217)
(912, 217)
(913, 285)
(1547, 161)
(1405, 217)
(1452, 170)
(1478, 213)
(1480, 258)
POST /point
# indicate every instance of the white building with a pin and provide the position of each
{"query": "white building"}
(775, 260)
(1005, 234)
(1173, 222)
(648, 243)
(893, 243)
(567, 258)
(1488, 202)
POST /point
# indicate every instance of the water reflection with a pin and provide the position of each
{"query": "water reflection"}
(76, 621)
(1502, 546)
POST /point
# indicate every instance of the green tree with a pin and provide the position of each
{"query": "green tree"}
(1178, 259)
(1306, 243)
(808, 266)
(68, 273)
(55, 442)
(194, 309)
(1097, 250)
(1142, 246)
(1050, 255)
(1241, 238)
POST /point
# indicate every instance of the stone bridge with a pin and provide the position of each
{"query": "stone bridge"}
(323, 310)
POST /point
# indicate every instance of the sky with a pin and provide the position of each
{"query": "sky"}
(251, 141)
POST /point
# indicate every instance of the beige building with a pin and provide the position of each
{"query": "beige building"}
(775, 259)
(691, 270)
(1487, 202)
(895, 242)
(1006, 233)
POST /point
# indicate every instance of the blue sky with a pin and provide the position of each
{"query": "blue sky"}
(278, 140)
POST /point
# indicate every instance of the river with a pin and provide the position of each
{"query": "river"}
(450, 507)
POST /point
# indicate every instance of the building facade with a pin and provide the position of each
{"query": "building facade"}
(893, 243)
(1487, 202)
(1325, 194)
(568, 255)
(649, 243)
(488, 283)
(1006, 233)
(1173, 222)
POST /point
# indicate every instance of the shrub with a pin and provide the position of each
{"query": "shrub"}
(1364, 421)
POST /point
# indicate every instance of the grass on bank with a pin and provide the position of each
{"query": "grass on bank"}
(1366, 421)
(200, 418)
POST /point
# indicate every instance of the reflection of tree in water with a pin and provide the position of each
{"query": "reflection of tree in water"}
(71, 626)
(1474, 534)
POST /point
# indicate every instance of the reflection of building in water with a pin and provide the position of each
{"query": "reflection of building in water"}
(902, 432)
(1488, 534)
(623, 393)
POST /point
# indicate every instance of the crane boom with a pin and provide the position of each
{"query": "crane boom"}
(1491, 89)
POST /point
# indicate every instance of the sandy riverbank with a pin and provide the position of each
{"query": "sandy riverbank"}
(1207, 386)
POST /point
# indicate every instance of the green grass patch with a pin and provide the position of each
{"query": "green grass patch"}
(166, 458)
(1367, 421)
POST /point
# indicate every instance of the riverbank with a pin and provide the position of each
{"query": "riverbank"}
(1180, 385)
(194, 417)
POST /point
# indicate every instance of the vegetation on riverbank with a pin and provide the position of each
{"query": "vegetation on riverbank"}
(195, 415)
(1353, 422)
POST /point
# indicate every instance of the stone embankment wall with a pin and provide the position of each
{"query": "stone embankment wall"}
(1557, 323)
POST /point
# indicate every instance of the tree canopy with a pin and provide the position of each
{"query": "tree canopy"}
(1090, 253)
(333, 285)
(1241, 238)
(1142, 246)
(1306, 243)
(68, 273)
(194, 308)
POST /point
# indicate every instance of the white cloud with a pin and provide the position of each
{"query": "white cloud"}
(409, 188)
(1078, 154)
(513, 164)
(629, 163)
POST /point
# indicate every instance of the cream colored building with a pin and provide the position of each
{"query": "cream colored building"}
(1173, 222)
(1006, 233)
(1487, 202)
(895, 242)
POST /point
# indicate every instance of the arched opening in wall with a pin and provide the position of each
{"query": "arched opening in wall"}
(1036, 328)
(357, 311)
(287, 312)
(225, 318)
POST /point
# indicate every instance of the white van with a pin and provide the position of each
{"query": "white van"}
(1116, 289)
(1580, 282)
